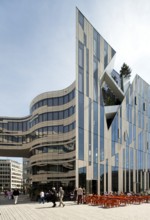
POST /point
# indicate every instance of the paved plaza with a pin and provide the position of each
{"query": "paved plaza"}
(26, 210)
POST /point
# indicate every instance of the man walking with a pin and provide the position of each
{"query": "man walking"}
(54, 196)
(61, 196)
(16, 195)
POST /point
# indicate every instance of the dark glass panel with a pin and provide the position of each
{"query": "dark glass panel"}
(55, 101)
(55, 116)
(101, 178)
(50, 116)
(81, 144)
(61, 115)
(60, 100)
(81, 20)
(50, 103)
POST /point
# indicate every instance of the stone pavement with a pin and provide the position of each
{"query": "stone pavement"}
(35, 211)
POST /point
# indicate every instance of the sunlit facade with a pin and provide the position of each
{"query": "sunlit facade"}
(10, 175)
(95, 133)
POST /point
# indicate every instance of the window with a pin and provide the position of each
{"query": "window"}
(49, 102)
(81, 20)
(60, 115)
(66, 113)
(49, 116)
(95, 81)
(96, 44)
(55, 115)
(60, 128)
(135, 101)
(81, 80)
(66, 97)
(40, 118)
(144, 106)
(105, 54)
(81, 55)
(55, 101)
(60, 100)
(45, 117)
(45, 102)
(87, 72)
(85, 39)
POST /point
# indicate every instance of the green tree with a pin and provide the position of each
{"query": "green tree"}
(125, 72)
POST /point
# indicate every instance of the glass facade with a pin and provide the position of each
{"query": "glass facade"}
(81, 135)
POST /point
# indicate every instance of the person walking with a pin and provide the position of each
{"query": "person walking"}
(61, 196)
(75, 195)
(54, 196)
(16, 195)
(80, 195)
(42, 197)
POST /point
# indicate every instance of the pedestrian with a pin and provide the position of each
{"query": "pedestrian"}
(9, 193)
(61, 196)
(80, 195)
(42, 197)
(54, 196)
(75, 194)
(16, 195)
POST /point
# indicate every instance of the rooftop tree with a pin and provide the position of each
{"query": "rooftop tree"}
(125, 72)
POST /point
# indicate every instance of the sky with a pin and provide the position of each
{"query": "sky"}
(37, 44)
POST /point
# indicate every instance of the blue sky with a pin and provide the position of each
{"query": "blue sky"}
(37, 44)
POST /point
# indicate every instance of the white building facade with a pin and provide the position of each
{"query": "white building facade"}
(10, 175)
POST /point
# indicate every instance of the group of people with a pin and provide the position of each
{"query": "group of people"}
(52, 196)
(13, 195)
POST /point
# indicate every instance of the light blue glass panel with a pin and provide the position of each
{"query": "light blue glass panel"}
(139, 119)
(81, 55)
(124, 159)
(139, 103)
(127, 157)
(131, 158)
(135, 115)
(120, 135)
(96, 44)
(95, 80)
(87, 72)
(130, 113)
(95, 171)
(81, 19)
(105, 54)
(81, 80)
(149, 161)
(116, 160)
(101, 148)
(95, 149)
(112, 148)
(95, 117)
(142, 121)
(127, 112)
(134, 132)
(102, 121)
(130, 133)
(81, 109)
(81, 144)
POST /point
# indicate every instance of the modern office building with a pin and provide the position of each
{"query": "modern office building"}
(10, 175)
(95, 133)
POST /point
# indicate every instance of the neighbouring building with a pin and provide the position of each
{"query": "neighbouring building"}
(10, 175)
(93, 133)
